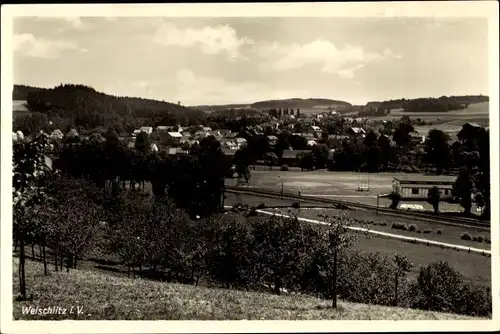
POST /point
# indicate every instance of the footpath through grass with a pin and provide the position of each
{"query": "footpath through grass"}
(105, 297)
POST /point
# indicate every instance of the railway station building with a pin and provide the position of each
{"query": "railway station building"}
(416, 187)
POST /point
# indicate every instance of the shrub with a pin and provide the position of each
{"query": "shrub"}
(487, 241)
(480, 239)
(284, 168)
(439, 231)
(412, 228)
(466, 236)
(427, 231)
(296, 205)
(383, 224)
(414, 169)
(261, 206)
(418, 231)
(399, 226)
(474, 238)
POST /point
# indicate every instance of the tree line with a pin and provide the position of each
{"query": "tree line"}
(82, 107)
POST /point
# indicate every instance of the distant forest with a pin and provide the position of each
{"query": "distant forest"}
(299, 103)
(441, 104)
(78, 106)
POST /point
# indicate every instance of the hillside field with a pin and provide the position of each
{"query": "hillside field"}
(450, 122)
(105, 297)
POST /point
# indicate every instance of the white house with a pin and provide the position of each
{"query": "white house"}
(176, 136)
(154, 148)
(56, 134)
(240, 141)
(311, 143)
(147, 129)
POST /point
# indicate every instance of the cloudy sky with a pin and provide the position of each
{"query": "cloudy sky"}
(239, 60)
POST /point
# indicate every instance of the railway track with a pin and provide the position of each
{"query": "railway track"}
(443, 220)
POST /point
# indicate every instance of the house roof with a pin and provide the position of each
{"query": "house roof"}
(358, 130)
(474, 125)
(272, 137)
(425, 178)
(175, 134)
(240, 139)
(162, 128)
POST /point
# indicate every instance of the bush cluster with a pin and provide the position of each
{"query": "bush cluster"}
(480, 238)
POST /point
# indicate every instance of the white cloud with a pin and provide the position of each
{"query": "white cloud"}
(334, 60)
(30, 46)
(75, 22)
(211, 40)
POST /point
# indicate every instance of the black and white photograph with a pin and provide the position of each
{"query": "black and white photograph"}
(258, 162)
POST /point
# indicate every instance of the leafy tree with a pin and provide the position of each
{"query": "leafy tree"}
(142, 142)
(402, 133)
(31, 178)
(433, 198)
(403, 266)
(271, 159)
(339, 239)
(306, 160)
(463, 189)
(370, 139)
(438, 150)
(438, 287)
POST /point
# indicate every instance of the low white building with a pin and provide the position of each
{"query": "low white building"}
(147, 129)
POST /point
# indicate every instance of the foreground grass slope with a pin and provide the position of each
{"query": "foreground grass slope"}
(105, 297)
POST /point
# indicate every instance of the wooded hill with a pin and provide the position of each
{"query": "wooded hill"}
(83, 106)
(299, 103)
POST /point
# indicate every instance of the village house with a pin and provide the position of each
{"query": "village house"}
(240, 142)
(57, 134)
(147, 129)
(201, 134)
(175, 137)
(163, 128)
(272, 140)
(229, 144)
(416, 187)
(311, 142)
(356, 132)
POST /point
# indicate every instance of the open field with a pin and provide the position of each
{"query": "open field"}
(105, 297)
(334, 185)
(449, 122)
(474, 111)
(19, 108)
(449, 234)
(475, 267)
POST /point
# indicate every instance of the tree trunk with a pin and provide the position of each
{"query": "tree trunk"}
(277, 285)
(61, 258)
(44, 254)
(396, 290)
(55, 260)
(22, 260)
(74, 263)
(334, 280)
(33, 251)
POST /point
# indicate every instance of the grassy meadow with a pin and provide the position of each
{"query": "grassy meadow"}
(106, 297)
